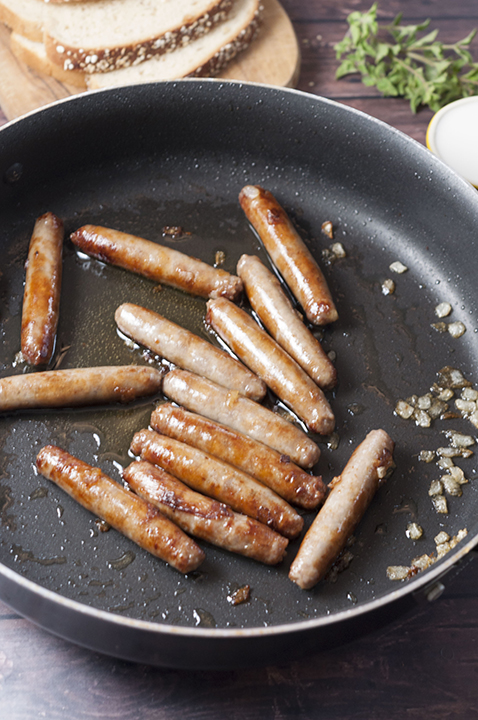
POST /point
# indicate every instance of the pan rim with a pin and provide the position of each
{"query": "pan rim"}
(424, 582)
(420, 582)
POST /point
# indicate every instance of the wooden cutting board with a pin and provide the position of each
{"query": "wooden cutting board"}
(273, 58)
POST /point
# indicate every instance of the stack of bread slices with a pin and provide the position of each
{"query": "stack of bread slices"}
(105, 43)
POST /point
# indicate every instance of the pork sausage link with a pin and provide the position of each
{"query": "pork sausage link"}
(241, 414)
(284, 323)
(123, 510)
(203, 517)
(344, 507)
(219, 480)
(289, 254)
(272, 364)
(156, 262)
(265, 464)
(41, 298)
(187, 350)
(78, 386)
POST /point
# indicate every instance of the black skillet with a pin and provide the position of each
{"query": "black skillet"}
(177, 154)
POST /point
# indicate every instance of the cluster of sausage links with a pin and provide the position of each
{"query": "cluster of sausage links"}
(289, 360)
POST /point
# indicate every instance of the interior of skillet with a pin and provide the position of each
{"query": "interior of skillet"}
(143, 158)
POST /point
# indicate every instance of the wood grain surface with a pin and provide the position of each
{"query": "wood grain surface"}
(421, 667)
(273, 58)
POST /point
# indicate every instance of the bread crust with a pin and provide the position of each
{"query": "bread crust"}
(210, 67)
(42, 64)
(28, 27)
(96, 60)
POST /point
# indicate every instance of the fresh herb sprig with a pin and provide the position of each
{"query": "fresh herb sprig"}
(399, 63)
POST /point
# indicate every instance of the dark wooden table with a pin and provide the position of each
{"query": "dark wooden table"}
(421, 667)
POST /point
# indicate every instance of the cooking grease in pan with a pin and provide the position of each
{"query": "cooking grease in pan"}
(385, 350)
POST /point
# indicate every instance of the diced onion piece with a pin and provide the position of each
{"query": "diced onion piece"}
(469, 393)
(458, 439)
(442, 549)
(452, 487)
(414, 531)
(448, 452)
(424, 402)
(398, 572)
(388, 287)
(436, 488)
(404, 409)
(456, 329)
(445, 394)
(445, 462)
(440, 504)
(338, 250)
(220, 258)
(328, 229)
(437, 408)
(458, 475)
(426, 456)
(398, 267)
(473, 418)
(421, 418)
(441, 537)
(443, 309)
(422, 562)
(450, 377)
(466, 407)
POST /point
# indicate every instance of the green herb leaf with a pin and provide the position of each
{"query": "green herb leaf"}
(421, 69)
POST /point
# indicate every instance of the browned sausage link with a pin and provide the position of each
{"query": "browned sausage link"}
(121, 509)
(241, 414)
(79, 386)
(187, 350)
(203, 517)
(265, 464)
(219, 480)
(284, 323)
(289, 254)
(345, 505)
(271, 363)
(156, 262)
(41, 298)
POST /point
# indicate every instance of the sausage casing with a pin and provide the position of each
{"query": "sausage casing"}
(284, 323)
(289, 254)
(344, 507)
(156, 262)
(41, 298)
(123, 510)
(219, 480)
(203, 517)
(187, 350)
(78, 386)
(265, 464)
(272, 364)
(239, 413)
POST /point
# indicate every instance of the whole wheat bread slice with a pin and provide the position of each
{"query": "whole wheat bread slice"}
(34, 55)
(203, 57)
(24, 17)
(110, 34)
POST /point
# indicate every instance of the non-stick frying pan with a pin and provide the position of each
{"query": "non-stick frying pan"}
(177, 154)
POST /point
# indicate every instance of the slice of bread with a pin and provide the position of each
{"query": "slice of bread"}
(34, 55)
(24, 17)
(109, 34)
(204, 57)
